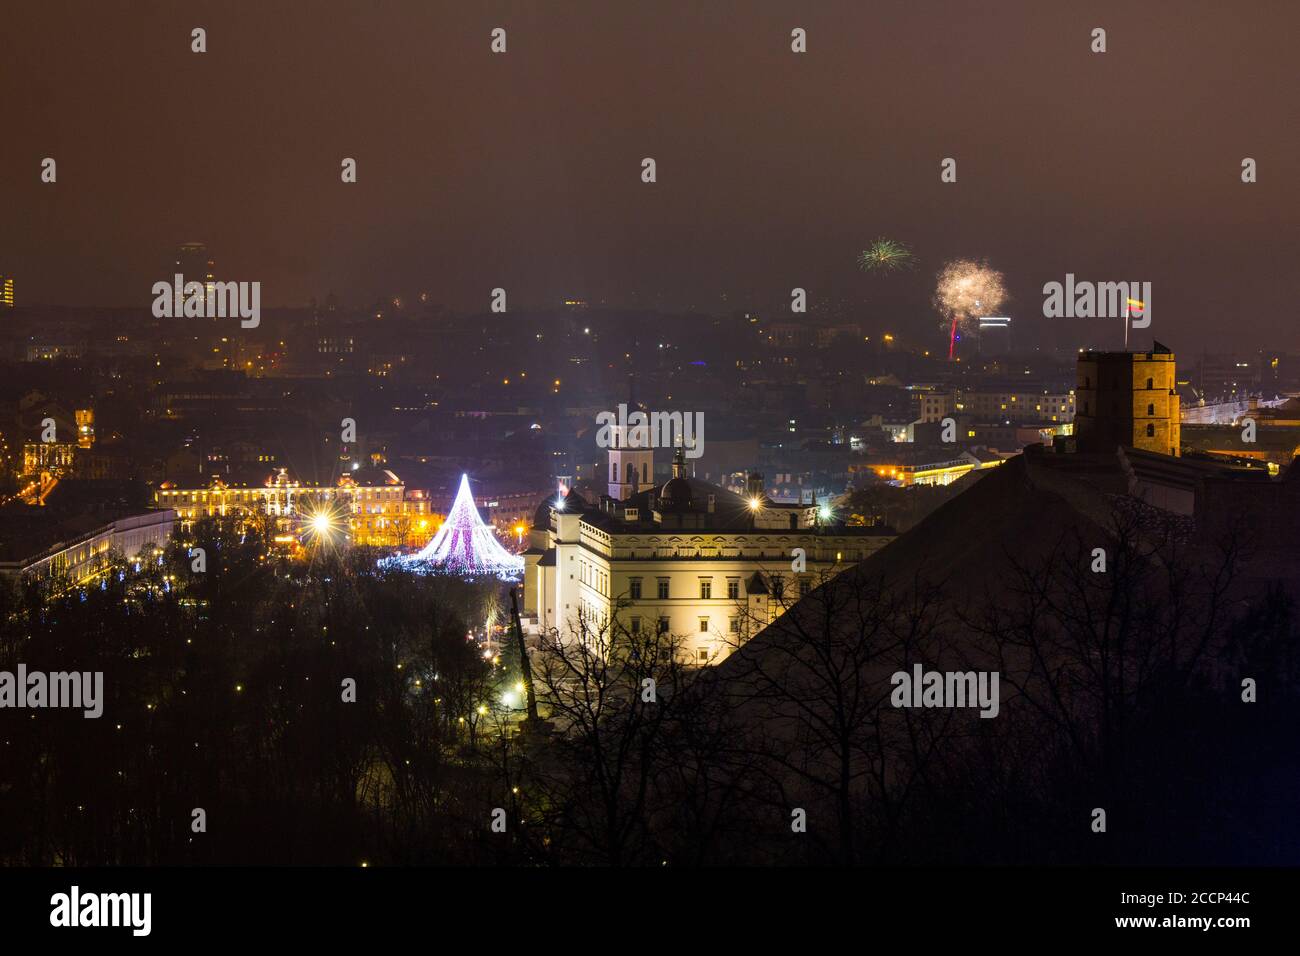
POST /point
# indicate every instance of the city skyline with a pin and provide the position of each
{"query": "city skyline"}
(1122, 183)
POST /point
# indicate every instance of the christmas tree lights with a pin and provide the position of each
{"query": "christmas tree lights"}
(464, 545)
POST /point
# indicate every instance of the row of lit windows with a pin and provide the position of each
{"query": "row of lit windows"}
(663, 588)
(366, 494)
(733, 625)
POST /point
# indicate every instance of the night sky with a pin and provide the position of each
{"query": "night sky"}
(522, 170)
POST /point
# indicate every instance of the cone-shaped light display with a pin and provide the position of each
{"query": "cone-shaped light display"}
(464, 545)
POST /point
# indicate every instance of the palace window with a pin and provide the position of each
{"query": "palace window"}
(663, 588)
(733, 589)
(634, 589)
(706, 590)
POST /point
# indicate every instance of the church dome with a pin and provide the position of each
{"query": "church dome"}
(675, 494)
(542, 516)
(573, 501)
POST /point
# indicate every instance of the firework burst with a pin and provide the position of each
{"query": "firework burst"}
(966, 290)
(885, 255)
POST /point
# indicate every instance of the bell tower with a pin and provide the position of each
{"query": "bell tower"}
(631, 461)
(631, 453)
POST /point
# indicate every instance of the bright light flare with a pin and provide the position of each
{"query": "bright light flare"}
(321, 525)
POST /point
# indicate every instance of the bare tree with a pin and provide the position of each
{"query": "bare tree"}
(813, 691)
(612, 696)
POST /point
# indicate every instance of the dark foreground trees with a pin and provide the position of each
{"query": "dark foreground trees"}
(228, 691)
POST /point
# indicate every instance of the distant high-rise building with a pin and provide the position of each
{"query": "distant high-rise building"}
(6, 292)
(995, 335)
(193, 262)
(1129, 399)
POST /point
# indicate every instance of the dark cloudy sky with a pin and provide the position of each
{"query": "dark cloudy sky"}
(522, 170)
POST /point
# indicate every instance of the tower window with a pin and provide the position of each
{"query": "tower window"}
(1151, 409)
(1151, 431)
(1151, 383)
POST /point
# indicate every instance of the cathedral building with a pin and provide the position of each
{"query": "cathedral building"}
(688, 558)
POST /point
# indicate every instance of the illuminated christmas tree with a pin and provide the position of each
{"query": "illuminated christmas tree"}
(464, 545)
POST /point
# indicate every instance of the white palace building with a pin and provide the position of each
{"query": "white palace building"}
(689, 558)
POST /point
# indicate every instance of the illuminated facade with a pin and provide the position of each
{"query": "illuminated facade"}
(1022, 406)
(377, 508)
(6, 292)
(689, 558)
(55, 458)
(935, 472)
(82, 559)
(85, 427)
